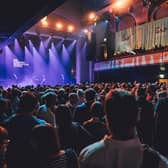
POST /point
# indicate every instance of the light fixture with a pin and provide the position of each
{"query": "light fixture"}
(161, 76)
(59, 25)
(70, 28)
(44, 23)
(105, 40)
(44, 19)
(121, 5)
(85, 31)
(92, 17)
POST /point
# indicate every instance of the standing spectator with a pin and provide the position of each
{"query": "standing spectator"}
(82, 112)
(151, 94)
(19, 126)
(72, 103)
(161, 137)
(81, 96)
(122, 148)
(4, 106)
(3, 146)
(62, 97)
(71, 134)
(47, 110)
(95, 125)
(145, 126)
(45, 144)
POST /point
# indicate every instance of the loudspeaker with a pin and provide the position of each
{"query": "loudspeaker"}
(110, 44)
(91, 48)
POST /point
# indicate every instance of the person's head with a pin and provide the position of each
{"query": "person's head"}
(62, 96)
(16, 92)
(61, 92)
(124, 85)
(73, 98)
(3, 140)
(96, 109)
(151, 90)
(90, 95)
(28, 102)
(45, 141)
(121, 112)
(50, 99)
(81, 93)
(141, 92)
(63, 116)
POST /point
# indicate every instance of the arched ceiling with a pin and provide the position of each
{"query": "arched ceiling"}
(75, 10)
(19, 15)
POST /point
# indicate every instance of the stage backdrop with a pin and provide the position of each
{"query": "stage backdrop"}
(38, 60)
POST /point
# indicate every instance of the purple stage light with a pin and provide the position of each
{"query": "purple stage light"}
(36, 63)
(65, 56)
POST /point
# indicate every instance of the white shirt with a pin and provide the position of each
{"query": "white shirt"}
(110, 153)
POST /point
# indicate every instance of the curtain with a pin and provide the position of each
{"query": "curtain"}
(143, 37)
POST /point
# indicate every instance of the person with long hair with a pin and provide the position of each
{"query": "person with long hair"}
(45, 144)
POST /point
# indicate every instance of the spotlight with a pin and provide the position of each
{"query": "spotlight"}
(59, 26)
(121, 5)
(105, 40)
(161, 76)
(44, 23)
(85, 31)
(72, 71)
(70, 28)
(92, 16)
(106, 21)
(118, 4)
(44, 19)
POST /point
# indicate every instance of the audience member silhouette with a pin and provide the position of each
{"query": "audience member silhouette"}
(95, 125)
(122, 148)
(71, 134)
(82, 111)
(45, 144)
(19, 127)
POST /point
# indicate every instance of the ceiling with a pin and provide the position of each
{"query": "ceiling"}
(70, 12)
(19, 16)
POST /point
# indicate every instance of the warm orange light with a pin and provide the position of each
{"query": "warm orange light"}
(70, 28)
(44, 19)
(92, 16)
(59, 26)
(44, 23)
(121, 5)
